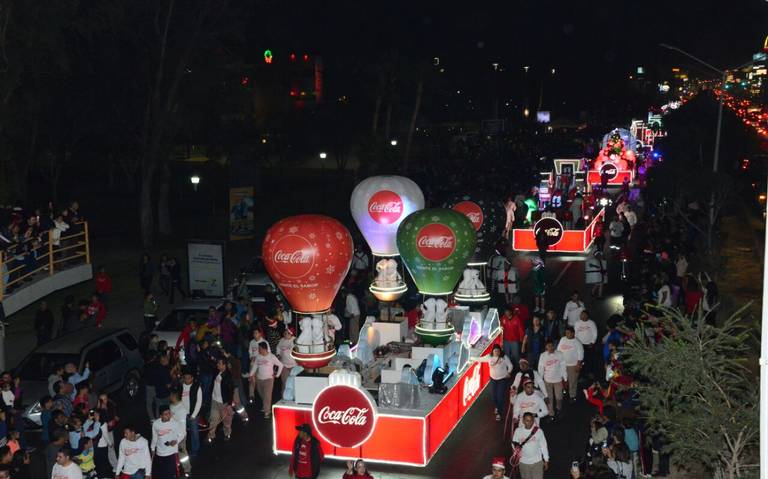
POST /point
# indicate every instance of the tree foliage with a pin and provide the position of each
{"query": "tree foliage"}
(695, 390)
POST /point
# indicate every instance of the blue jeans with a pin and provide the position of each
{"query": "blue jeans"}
(193, 432)
(206, 383)
(512, 351)
(137, 475)
(500, 391)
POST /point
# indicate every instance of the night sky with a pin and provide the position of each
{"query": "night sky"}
(590, 43)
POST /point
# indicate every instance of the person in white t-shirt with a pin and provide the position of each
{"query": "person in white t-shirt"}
(586, 333)
(664, 294)
(552, 369)
(264, 372)
(166, 436)
(179, 413)
(534, 458)
(65, 468)
(253, 353)
(573, 309)
(500, 370)
(284, 349)
(529, 401)
(573, 353)
(133, 454)
(352, 316)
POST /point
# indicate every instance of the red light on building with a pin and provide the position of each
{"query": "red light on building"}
(293, 93)
(306, 57)
(293, 57)
(244, 81)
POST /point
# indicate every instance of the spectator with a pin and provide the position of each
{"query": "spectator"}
(264, 371)
(497, 469)
(352, 315)
(357, 470)
(552, 326)
(221, 402)
(534, 455)
(533, 342)
(165, 275)
(59, 440)
(61, 399)
(573, 309)
(65, 468)
(85, 459)
(586, 333)
(103, 284)
(513, 334)
(43, 324)
(150, 312)
(133, 460)
(307, 455)
(179, 415)
(284, 350)
(619, 460)
(160, 377)
(192, 399)
(175, 270)
(573, 355)
(46, 417)
(596, 273)
(360, 261)
(97, 310)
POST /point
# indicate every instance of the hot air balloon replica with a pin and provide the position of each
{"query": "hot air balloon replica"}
(488, 218)
(308, 257)
(435, 245)
(378, 205)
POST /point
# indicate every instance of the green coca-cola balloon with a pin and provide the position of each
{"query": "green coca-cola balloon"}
(435, 245)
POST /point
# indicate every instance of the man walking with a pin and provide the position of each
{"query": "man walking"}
(534, 456)
(166, 435)
(573, 309)
(307, 455)
(552, 369)
(264, 370)
(573, 354)
(221, 401)
(192, 398)
(513, 333)
(133, 461)
(586, 333)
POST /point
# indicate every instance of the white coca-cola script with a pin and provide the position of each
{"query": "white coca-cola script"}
(436, 242)
(292, 257)
(474, 217)
(388, 207)
(353, 416)
(554, 232)
(471, 385)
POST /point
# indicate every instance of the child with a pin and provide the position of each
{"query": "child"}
(46, 415)
(13, 441)
(75, 433)
(7, 394)
(85, 458)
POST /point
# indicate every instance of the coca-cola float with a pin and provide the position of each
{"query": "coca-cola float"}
(615, 164)
(378, 205)
(488, 217)
(550, 231)
(308, 257)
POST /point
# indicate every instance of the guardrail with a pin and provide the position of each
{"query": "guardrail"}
(21, 263)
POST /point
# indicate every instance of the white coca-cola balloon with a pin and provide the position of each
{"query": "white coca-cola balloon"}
(379, 204)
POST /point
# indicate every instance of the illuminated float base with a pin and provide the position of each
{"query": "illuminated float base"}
(434, 336)
(388, 294)
(408, 437)
(572, 241)
(473, 298)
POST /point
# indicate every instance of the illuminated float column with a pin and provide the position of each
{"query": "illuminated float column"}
(487, 216)
(308, 257)
(378, 205)
(436, 245)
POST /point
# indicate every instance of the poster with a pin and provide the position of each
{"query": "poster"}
(241, 225)
(205, 261)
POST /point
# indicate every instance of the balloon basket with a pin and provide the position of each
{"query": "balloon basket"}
(434, 336)
(482, 297)
(388, 294)
(313, 360)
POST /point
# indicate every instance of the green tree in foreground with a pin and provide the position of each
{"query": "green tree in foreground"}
(696, 391)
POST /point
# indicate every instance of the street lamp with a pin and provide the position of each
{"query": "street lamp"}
(323, 155)
(393, 142)
(195, 180)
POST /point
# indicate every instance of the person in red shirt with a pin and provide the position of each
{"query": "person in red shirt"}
(357, 470)
(693, 296)
(307, 455)
(97, 310)
(103, 284)
(522, 310)
(514, 332)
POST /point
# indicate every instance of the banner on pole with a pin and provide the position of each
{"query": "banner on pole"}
(241, 224)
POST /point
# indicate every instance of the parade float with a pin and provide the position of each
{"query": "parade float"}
(394, 397)
(615, 164)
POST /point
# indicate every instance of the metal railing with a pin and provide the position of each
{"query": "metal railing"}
(21, 262)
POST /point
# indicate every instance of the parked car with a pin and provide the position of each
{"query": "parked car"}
(112, 354)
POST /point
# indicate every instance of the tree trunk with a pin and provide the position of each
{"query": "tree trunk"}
(412, 125)
(146, 216)
(163, 200)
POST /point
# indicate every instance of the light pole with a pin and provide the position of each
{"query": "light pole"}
(195, 180)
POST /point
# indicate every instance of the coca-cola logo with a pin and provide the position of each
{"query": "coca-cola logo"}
(385, 207)
(471, 385)
(344, 415)
(609, 170)
(294, 256)
(471, 210)
(548, 231)
(435, 242)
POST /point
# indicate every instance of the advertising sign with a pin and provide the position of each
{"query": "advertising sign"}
(241, 225)
(344, 415)
(205, 262)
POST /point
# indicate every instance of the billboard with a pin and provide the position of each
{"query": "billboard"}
(205, 263)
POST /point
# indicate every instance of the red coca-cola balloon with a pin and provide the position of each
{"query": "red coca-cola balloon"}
(344, 415)
(308, 257)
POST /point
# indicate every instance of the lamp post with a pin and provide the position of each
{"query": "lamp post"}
(393, 142)
(195, 180)
(764, 325)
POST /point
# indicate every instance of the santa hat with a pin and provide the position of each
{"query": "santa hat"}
(498, 463)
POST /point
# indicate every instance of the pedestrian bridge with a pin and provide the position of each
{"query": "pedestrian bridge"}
(31, 270)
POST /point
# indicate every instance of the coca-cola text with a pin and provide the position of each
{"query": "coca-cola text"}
(352, 416)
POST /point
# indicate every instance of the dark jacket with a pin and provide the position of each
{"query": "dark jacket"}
(314, 455)
(193, 388)
(227, 387)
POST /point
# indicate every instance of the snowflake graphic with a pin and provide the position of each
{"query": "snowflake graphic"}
(293, 229)
(312, 235)
(330, 269)
(339, 235)
(445, 278)
(281, 230)
(312, 278)
(327, 245)
(435, 218)
(453, 223)
(312, 296)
